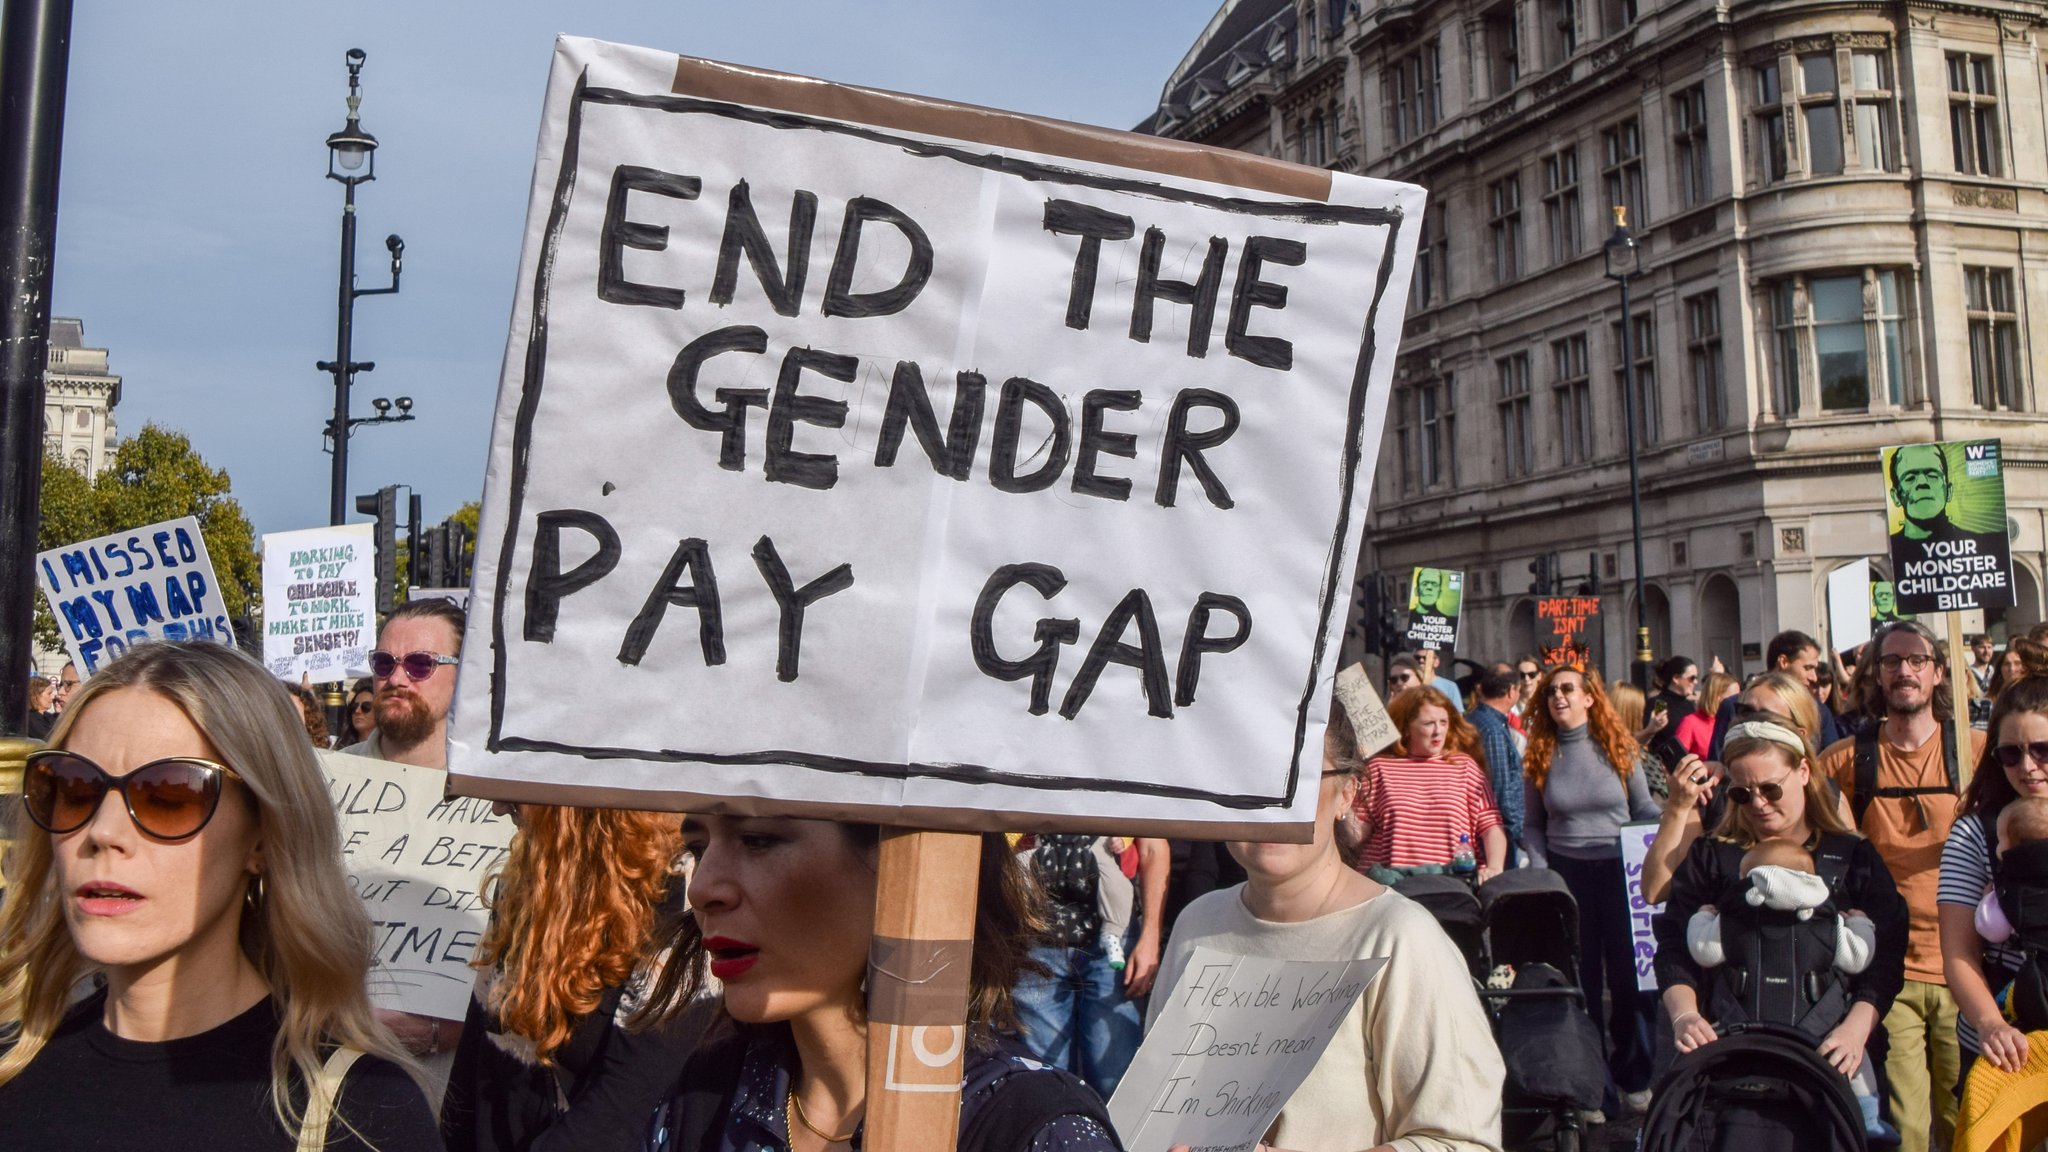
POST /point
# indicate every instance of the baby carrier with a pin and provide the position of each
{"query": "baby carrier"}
(2021, 880)
(1759, 1089)
(1781, 964)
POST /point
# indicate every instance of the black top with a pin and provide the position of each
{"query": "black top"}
(1712, 874)
(88, 1089)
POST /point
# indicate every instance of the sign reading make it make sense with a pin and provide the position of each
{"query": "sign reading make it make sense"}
(150, 583)
(889, 459)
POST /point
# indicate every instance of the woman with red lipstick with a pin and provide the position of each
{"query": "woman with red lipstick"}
(783, 917)
(1428, 801)
(182, 846)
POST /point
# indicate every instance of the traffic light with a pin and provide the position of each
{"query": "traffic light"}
(1542, 573)
(1590, 586)
(455, 547)
(383, 504)
(413, 571)
(1389, 621)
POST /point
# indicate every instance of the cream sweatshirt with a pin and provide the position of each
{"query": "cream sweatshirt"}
(1417, 1041)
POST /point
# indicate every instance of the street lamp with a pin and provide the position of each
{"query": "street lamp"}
(352, 160)
(1624, 259)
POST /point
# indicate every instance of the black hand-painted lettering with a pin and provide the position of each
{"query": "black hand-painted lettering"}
(1198, 641)
(620, 234)
(1181, 445)
(731, 424)
(805, 469)
(1147, 656)
(1252, 292)
(1002, 454)
(1093, 225)
(701, 593)
(1050, 633)
(792, 600)
(1200, 296)
(1095, 441)
(546, 583)
(910, 405)
(840, 298)
(784, 284)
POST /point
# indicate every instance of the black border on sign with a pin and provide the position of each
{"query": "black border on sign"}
(535, 368)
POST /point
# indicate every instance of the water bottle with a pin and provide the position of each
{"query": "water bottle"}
(1462, 861)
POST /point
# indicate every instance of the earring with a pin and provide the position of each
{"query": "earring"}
(255, 894)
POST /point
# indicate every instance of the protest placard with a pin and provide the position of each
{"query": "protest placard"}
(1433, 600)
(1238, 1035)
(1368, 715)
(895, 460)
(418, 860)
(319, 601)
(148, 583)
(1635, 849)
(1849, 605)
(1561, 633)
(1945, 512)
(1884, 604)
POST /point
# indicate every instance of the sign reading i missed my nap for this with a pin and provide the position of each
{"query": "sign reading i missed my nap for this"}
(920, 462)
(149, 583)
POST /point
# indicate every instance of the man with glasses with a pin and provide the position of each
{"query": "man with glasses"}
(1902, 781)
(65, 684)
(414, 668)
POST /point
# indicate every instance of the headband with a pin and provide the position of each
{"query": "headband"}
(1765, 730)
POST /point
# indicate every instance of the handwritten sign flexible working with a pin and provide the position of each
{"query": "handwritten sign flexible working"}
(319, 601)
(419, 862)
(908, 461)
(150, 583)
(1238, 1035)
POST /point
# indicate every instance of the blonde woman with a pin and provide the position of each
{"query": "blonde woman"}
(181, 847)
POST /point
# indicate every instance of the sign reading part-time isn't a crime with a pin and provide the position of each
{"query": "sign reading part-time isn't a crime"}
(893, 457)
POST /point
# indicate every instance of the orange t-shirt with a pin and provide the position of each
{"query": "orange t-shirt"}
(1910, 846)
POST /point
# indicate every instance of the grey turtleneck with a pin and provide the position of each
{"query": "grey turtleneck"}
(1582, 805)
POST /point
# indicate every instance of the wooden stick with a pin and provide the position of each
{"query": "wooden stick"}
(917, 989)
(1959, 667)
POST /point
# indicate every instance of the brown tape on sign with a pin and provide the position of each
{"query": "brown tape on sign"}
(711, 80)
(918, 982)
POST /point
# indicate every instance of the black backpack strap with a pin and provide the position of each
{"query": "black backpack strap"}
(1866, 774)
(1831, 862)
(1023, 1103)
(1948, 756)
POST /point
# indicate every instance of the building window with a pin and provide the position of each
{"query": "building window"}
(1432, 283)
(1703, 361)
(1622, 148)
(1437, 401)
(1973, 115)
(1994, 336)
(1502, 40)
(1844, 329)
(1308, 31)
(1506, 227)
(1802, 104)
(1315, 140)
(1616, 15)
(1772, 137)
(1870, 94)
(1560, 31)
(1689, 130)
(1574, 399)
(1415, 92)
(1643, 348)
(1517, 434)
(1561, 213)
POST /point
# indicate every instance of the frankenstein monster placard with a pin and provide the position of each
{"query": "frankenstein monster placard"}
(1433, 598)
(1945, 512)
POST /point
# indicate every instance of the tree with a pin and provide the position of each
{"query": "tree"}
(155, 475)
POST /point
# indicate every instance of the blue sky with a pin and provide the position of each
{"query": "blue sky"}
(199, 240)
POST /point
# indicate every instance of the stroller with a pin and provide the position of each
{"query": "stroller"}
(1556, 1062)
(1761, 1088)
(1449, 898)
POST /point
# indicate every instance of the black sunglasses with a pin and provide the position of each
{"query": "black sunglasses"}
(1741, 794)
(363, 705)
(418, 665)
(170, 799)
(2011, 755)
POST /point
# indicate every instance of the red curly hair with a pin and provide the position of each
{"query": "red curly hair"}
(1612, 737)
(1461, 740)
(573, 913)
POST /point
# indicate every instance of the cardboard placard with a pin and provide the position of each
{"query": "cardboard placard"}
(1566, 618)
(1945, 513)
(150, 583)
(1849, 606)
(1238, 1035)
(419, 861)
(827, 459)
(319, 601)
(1635, 849)
(1369, 717)
(1434, 597)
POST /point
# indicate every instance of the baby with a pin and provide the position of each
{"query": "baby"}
(2023, 821)
(1781, 876)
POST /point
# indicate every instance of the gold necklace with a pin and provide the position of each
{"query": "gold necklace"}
(794, 1111)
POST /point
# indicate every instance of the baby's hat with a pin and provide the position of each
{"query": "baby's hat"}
(1786, 890)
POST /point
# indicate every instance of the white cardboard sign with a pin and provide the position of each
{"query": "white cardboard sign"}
(1635, 849)
(1849, 606)
(319, 601)
(828, 470)
(1238, 1035)
(150, 583)
(418, 860)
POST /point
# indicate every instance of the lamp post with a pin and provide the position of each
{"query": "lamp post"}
(352, 160)
(1623, 259)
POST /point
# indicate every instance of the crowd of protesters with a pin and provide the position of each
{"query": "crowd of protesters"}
(675, 983)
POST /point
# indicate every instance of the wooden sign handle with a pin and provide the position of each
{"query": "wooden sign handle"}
(917, 989)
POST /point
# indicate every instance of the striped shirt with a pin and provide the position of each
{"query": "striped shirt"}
(1417, 809)
(1965, 877)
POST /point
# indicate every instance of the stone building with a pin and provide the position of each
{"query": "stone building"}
(79, 399)
(1843, 213)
